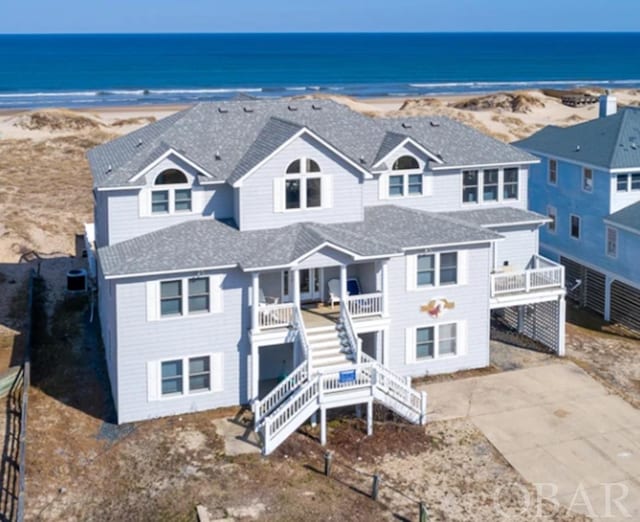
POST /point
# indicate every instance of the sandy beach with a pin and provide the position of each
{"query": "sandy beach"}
(45, 184)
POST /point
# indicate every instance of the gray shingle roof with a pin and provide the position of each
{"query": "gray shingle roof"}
(628, 217)
(207, 243)
(610, 143)
(244, 132)
(499, 216)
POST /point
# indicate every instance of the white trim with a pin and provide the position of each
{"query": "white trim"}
(480, 185)
(540, 221)
(304, 130)
(163, 157)
(215, 297)
(412, 276)
(634, 170)
(486, 165)
(446, 245)
(216, 378)
(170, 272)
(461, 350)
(408, 139)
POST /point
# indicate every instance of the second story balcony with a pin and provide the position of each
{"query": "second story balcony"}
(541, 276)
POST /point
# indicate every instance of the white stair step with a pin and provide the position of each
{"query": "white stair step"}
(321, 329)
(328, 352)
(325, 344)
(321, 337)
(330, 361)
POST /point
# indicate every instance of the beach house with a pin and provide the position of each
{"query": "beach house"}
(298, 256)
(588, 183)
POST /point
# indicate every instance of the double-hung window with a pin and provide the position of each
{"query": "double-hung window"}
(407, 183)
(490, 187)
(470, 186)
(574, 226)
(587, 180)
(437, 269)
(396, 186)
(635, 181)
(510, 185)
(622, 182)
(433, 342)
(553, 172)
(173, 302)
(612, 242)
(174, 382)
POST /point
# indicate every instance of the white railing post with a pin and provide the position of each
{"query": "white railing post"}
(255, 300)
(385, 287)
(423, 407)
(527, 281)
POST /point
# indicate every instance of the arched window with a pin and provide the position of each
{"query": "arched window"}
(405, 163)
(303, 187)
(171, 200)
(170, 177)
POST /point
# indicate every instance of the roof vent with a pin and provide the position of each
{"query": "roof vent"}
(222, 110)
(139, 143)
(316, 107)
(217, 154)
(406, 125)
(362, 160)
(292, 108)
(634, 146)
(248, 109)
(109, 168)
(577, 148)
(435, 123)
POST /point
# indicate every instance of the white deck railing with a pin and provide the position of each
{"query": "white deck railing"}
(275, 315)
(544, 274)
(262, 408)
(364, 304)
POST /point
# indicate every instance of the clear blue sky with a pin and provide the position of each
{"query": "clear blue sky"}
(88, 16)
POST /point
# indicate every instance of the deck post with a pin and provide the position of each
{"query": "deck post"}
(255, 300)
(323, 426)
(343, 285)
(369, 418)
(296, 288)
(562, 314)
(384, 276)
(255, 370)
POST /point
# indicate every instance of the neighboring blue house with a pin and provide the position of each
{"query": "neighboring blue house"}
(299, 256)
(588, 183)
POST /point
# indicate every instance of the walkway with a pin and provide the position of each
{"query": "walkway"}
(556, 426)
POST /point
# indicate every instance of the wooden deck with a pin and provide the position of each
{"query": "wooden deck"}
(319, 314)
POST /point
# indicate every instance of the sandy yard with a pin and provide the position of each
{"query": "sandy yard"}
(82, 467)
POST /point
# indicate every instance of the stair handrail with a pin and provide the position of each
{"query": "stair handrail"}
(302, 336)
(265, 406)
(349, 329)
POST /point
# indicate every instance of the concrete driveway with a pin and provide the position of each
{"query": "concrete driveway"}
(560, 429)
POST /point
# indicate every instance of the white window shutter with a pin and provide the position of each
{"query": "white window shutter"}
(463, 267)
(278, 195)
(217, 293)
(217, 373)
(427, 184)
(410, 345)
(144, 202)
(153, 385)
(327, 191)
(383, 187)
(153, 300)
(412, 275)
(461, 341)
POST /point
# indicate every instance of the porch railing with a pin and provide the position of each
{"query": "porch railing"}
(275, 315)
(364, 304)
(544, 274)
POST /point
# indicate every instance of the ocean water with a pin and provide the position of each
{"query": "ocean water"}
(98, 70)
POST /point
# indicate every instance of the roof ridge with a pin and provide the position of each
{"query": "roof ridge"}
(623, 117)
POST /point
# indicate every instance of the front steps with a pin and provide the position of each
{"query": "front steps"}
(327, 347)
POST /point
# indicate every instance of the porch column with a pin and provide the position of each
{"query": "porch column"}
(343, 283)
(255, 371)
(562, 315)
(323, 426)
(384, 284)
(255, 300)
(296, 288)
(607, 298)
(370, 417)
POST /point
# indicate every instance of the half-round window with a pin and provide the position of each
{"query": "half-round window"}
(294, 167)
(312, 166)
(406, 163)
(170, 177)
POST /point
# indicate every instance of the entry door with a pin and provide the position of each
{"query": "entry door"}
(310, 284)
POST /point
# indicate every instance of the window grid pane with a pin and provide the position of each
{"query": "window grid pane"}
(183, 199)
(553, 171)
(635, 181)
(447, 334)
(171, 298)
(449, 268)
(490, 189)
(415, 184)
(622, 182)
(199, 295)
(470, 186)
(587, 180)
(424, 343)
(612, 242)
(426, 270)
(160, 202)
(171, 372)
(199, 374)
(396, 185)
(293, 193)
(510, 190)
(575, 227)
(314, 191)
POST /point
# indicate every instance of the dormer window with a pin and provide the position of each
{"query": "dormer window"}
(302, 188)
(403, 184)
(175, 194)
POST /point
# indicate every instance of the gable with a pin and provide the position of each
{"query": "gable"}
(326, 256)
(172, 161)
(406, 147)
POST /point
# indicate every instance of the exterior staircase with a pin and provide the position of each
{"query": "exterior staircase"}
(335, 373)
